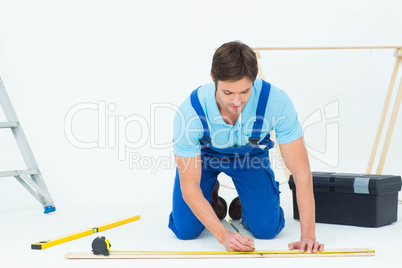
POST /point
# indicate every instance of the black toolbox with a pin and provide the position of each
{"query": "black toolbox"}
(353, 199)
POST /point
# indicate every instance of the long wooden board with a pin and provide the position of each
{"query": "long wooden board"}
(221, 255)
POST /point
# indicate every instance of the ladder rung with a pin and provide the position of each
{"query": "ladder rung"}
(13, 173)
(8, 124)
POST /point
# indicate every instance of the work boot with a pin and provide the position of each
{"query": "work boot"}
(218, 203)
(235, 209)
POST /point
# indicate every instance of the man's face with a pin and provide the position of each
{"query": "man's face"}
(233, 96)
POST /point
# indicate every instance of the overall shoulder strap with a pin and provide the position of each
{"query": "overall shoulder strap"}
(195, 102)
(261, 107)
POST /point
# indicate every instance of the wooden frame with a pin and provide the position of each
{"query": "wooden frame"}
(398, 55)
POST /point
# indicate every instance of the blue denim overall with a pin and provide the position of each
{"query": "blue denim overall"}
(250, 169)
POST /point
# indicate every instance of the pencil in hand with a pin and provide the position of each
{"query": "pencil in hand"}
(237, 230)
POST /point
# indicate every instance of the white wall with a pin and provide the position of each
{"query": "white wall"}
(55, 55)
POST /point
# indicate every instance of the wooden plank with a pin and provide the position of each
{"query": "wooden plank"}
(383, 115)
(219, 254)
(390, 130)
(85, 232)
(260, 74)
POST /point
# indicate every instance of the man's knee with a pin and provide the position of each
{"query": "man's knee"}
(187, 234)
(265, 229)
(185, 230)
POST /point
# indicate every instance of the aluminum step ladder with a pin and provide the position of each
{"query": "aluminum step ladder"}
(30, 178)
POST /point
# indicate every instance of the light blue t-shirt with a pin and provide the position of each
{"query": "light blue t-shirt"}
(280, 115)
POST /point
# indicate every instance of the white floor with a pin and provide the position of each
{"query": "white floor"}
(24, 223)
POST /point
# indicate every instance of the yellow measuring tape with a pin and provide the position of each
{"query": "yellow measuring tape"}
(237, 252)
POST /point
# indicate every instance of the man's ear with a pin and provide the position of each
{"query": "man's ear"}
(212, 78)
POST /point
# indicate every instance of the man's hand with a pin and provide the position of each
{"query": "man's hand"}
(307, 244)
(235, 242)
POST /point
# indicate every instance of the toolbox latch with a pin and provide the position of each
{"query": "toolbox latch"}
(361, 185)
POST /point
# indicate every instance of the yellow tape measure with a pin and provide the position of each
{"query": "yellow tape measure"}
(238, 252)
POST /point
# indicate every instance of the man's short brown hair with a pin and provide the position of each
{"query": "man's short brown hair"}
(233, 61)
